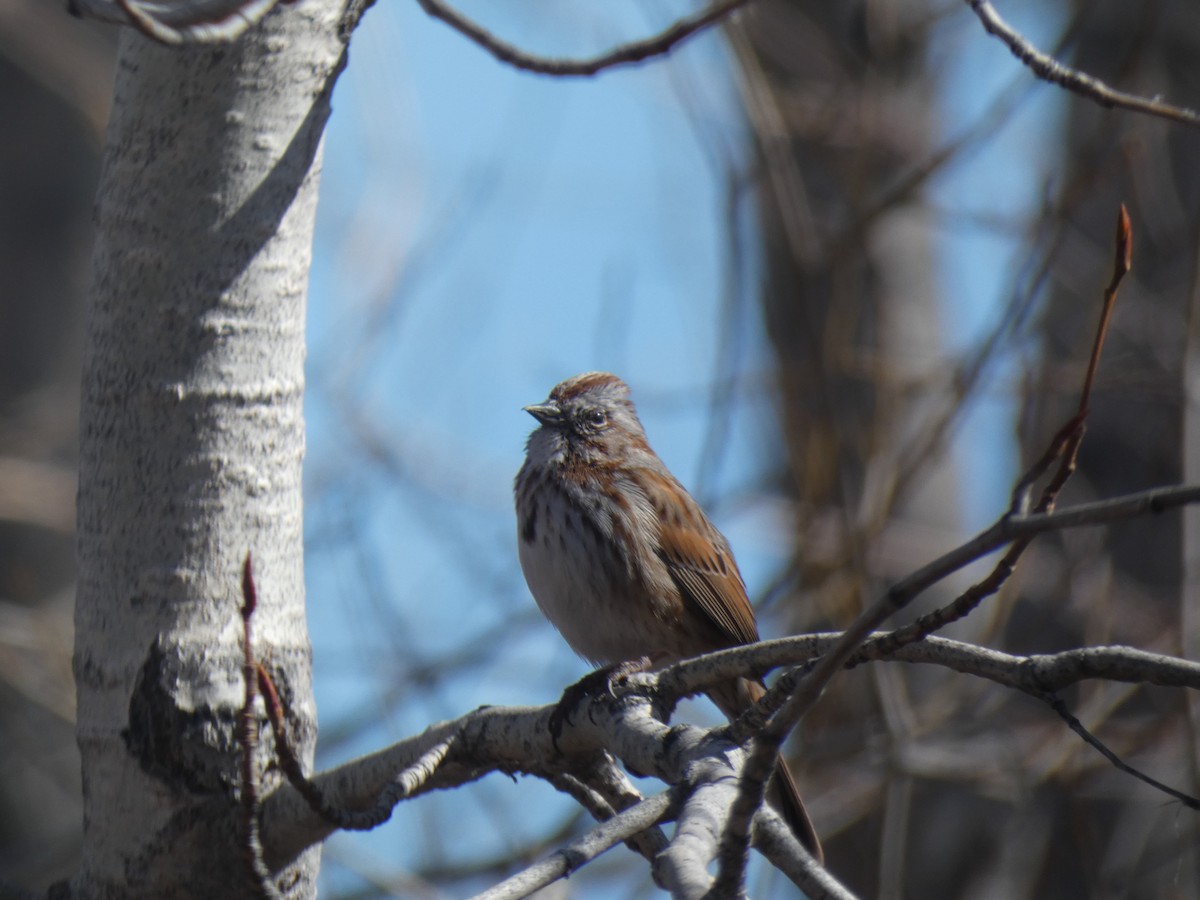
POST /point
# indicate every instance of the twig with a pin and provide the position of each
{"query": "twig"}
(1056, 704)
(407, 780)
(1122, 263)
(1041, 676)
(633, 52)
(583, 794)
(247, 732)
(566, 860)
(1010, 528)
(1064, 447)
(603, 790)
(774, 839)
(1050, 69)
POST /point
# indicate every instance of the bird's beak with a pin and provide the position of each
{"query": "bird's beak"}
(546, 413)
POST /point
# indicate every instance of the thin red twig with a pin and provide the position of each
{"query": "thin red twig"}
(247, 731)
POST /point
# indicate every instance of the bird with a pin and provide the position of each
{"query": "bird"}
(623, 561)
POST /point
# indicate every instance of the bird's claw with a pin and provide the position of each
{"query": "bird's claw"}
(590, 685)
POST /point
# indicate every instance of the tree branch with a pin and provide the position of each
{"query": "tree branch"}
(604, 791)
(682, 868)
(1050, 69)
(775, 840)
(518, 739)
(625, 54)
(561, 863)
(1031, 674)
(1056, 704)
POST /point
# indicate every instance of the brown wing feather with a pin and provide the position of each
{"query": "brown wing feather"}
(700, 562)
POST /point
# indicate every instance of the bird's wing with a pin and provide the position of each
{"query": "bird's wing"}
(699, 561)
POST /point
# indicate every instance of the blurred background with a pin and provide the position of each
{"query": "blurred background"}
(849, 255)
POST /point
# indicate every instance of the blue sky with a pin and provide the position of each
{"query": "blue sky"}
(484, 233)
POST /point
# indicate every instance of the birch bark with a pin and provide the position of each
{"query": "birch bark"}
(192, 438)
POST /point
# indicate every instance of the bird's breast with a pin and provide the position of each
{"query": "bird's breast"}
(607, 595)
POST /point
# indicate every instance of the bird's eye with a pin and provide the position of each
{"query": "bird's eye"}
(597, 418)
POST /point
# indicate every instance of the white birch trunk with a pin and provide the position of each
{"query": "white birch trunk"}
(192, 437)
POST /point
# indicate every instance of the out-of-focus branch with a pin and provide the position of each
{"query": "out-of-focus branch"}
(75, 64)
(37, 493)
(633, 52)
(1049, 69)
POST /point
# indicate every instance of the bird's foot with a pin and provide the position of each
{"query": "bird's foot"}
(591, 685)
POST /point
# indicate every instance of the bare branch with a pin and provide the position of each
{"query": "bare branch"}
(518, 739)
(1056, 704)
(1034, 674)
(776, 841)
(1045, 673)
(508, 740)
(1122, 262)
(1050, 69)
(566, 860)
(290, 823)
(603, 789)
(1039, 676)
(682, 868)
(1014, 527)
(626, 54)
(408, 781)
